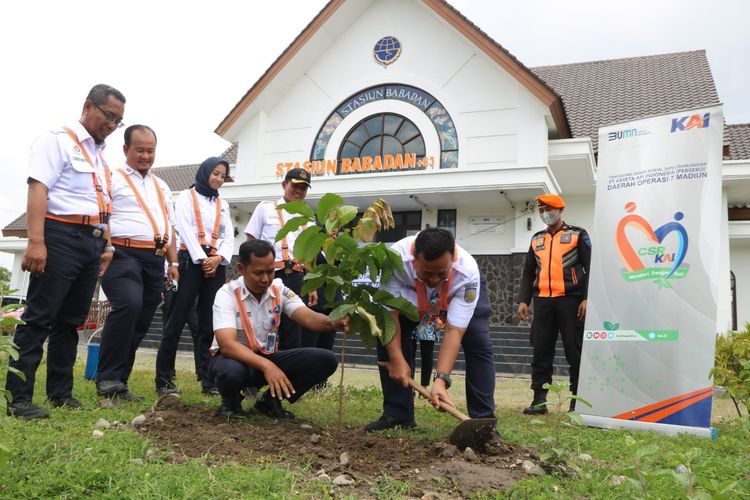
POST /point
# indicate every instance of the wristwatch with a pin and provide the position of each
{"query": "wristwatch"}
(444, 377)
(109, 249)
(177, 264)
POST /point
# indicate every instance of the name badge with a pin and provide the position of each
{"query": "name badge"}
(565, 238)
(271, 342)
(539, 244)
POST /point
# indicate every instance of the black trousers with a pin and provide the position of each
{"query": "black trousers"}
(290, 332)
(553, 315)
(192, 285)
(133, 285)
(304, 367)
(57, 303)
(192, 319)
(398, 401)
(426, 351)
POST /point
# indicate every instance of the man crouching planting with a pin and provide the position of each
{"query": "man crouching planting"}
(247, 313)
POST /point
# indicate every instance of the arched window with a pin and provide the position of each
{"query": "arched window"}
(383, 134)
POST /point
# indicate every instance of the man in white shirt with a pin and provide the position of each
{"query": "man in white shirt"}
(247, 313)
(67, 214)
(265, 223)
(142, 234)
(443, 281)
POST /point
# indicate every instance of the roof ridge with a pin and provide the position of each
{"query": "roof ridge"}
(621, 59)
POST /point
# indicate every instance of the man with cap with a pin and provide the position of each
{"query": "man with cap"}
(556, 274)
(265, 223)
(68, 213)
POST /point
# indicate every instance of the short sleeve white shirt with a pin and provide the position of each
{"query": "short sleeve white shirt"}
(264, 225)
(128, 218)
(262, 316)
(463, 292)
(187, 229)
(58, 163)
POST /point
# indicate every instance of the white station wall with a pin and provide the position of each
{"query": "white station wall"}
(499, 123)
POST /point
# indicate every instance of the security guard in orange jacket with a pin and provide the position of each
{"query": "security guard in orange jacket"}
(556, 274)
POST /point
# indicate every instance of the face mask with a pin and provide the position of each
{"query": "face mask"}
(550, 217)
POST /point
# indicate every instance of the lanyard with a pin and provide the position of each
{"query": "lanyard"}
(247, 325)
(442, 300)
(105, 209)
(423, 305)
(199, 223)
(145, 209)
(284, 243)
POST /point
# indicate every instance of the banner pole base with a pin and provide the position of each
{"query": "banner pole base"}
(668, 429)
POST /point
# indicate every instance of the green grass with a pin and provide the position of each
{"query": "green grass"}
(58, 458)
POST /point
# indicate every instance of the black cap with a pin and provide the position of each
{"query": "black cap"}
(298, 175)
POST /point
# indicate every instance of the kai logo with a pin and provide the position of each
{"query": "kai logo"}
(655, 261)
(690, 122)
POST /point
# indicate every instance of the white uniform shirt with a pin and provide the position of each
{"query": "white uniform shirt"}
(264, 225)
(188, 231)
(128, 219)
(464, 287)
(226, 314)
(56, 162)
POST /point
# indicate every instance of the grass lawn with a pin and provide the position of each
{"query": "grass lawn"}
(58, 457)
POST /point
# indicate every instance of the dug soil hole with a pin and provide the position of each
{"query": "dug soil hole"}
(430, 465)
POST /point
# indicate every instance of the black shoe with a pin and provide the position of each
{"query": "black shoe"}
(167, 389)
(210, 391)
(231, 410)
(110, 388)
(27, 411)
(272, 407)
(389, 422)
(126, 395)
(66, 402)
(538, 405)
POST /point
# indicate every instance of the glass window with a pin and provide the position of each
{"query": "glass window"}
(383, 134)
(446, 219)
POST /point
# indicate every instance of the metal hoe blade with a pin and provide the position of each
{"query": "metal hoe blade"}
(474, 433)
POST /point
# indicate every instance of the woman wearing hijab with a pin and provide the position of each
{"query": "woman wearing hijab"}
(206, 245)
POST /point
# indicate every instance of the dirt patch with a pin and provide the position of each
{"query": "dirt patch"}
(433, 467)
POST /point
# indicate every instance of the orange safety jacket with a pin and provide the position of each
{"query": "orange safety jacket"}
(556, 264)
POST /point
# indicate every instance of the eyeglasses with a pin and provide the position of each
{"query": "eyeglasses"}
(112, 119)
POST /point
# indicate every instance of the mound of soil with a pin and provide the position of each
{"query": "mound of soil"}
(436, 468)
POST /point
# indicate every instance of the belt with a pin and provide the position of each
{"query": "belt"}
(88, 230)
(85, 220)
(208, 250)
(142, 244)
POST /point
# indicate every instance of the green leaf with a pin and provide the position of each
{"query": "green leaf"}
(389, 328)
(313, 248)
(18, 372)
(341, 311)
(319, 271)
(291, 226)
(646, 450)
(298, 207)
(328, 202)
(395, 259)
(312, 285)
(346, 242)
(347, 213)
(575, 419)
(305, 242)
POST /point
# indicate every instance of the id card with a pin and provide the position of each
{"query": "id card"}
(271, 342)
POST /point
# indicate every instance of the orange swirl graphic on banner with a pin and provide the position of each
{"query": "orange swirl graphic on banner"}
(624, 248)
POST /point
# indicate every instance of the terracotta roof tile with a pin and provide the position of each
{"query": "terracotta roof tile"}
(600, 93)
